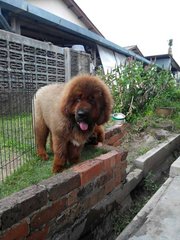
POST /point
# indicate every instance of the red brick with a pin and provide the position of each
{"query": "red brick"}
(123, 170)
(107, 176)
(109, 186)
(45, 215)
(72, 197)
(20, 204)
(120, 158)
(61, 184)
(96, 197)
(18, 231)
(109, 133)
(116, 129)
(117, 143)
(39, 235)
(88, 170)
(108, 159)
(124, 165)
(114, 139)
(124, 155)
(117, 176)
(124, 127)
(112, 131)
(93, 199)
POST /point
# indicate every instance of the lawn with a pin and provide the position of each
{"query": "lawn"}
(18, 160)
(36, 170)
(16, 136)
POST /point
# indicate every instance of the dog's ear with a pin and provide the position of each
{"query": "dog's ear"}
(65, 105)
(106, 106)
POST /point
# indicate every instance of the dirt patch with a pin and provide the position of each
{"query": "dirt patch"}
(138, 140)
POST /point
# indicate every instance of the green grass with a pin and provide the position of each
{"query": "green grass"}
(142, 150)
(16, 136)
(36, 170)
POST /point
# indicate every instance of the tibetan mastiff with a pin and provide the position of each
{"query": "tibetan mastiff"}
(71, 113)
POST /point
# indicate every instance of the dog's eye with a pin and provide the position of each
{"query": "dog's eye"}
(78, 99)
(92, 100)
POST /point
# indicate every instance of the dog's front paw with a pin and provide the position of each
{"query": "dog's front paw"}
(57, 168)
(43, 155)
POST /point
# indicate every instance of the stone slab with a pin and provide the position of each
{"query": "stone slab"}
(160, 217)
(175, 168)
(156, 156)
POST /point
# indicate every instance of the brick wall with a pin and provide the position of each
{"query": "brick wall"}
(114, 134)
(61, 207)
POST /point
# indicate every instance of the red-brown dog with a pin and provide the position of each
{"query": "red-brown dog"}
(71, 113)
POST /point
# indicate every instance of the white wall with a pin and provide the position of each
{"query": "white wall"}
(110, 59)
(59, 8)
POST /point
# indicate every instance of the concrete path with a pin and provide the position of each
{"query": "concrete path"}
(159, 219)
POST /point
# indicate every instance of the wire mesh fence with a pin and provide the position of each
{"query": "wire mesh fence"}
(16, 130)
(26, 65)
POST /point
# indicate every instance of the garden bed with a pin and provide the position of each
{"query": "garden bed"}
(36, 170)
(63, 205)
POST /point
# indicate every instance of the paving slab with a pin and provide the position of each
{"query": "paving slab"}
(175, 168)
(164, 220)
(155, 157)
(160, 217)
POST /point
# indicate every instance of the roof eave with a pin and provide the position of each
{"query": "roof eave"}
(28, 10)
(81, 15)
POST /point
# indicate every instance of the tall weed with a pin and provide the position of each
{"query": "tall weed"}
(134, 86)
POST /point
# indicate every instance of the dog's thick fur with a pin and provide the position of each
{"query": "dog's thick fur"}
(71, 113)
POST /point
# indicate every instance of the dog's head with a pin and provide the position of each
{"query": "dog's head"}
(86, 100)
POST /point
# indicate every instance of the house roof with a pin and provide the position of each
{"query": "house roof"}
(82, 16)
(135, 49)
(42, 23)
(174, 65)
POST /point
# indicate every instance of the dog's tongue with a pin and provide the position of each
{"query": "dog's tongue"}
(83, 126)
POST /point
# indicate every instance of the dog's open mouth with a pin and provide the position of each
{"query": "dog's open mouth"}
(83, 126)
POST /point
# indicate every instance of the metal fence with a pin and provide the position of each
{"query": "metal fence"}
(16, 134)
(26, 65)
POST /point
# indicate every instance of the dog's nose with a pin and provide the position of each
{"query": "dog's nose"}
(82, 113)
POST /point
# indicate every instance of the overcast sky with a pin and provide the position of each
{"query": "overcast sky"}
(149, 24)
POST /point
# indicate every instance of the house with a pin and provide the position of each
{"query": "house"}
(166, 61)
(65, 26)
(69, 10)
(135, 49)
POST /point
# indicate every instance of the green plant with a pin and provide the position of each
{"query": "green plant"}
(123, 219)
(143, 150)
(140, 197)
(149, 183)
(134, 86)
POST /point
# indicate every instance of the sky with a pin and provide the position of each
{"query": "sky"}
(149, 24)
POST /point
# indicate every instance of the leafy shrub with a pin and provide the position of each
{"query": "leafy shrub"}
(134, 86)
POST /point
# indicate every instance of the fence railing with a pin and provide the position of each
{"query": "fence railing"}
(26, 65)
(16, 131)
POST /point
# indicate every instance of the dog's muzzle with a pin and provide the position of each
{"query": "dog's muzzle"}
(82, 119)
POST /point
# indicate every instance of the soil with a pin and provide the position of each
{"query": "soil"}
(139, 140)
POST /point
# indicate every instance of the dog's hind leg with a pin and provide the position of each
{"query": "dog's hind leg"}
(41, 134)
